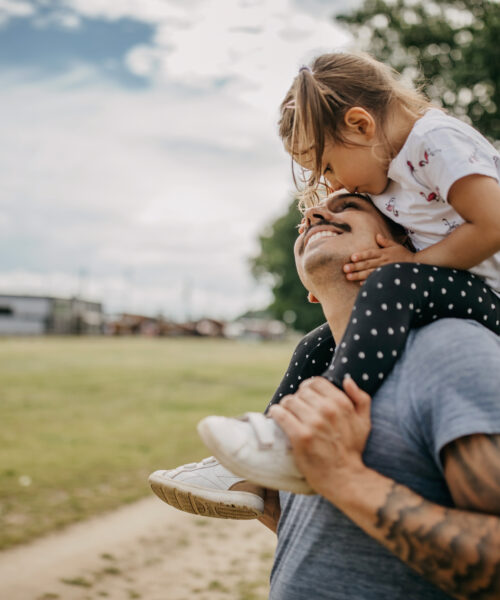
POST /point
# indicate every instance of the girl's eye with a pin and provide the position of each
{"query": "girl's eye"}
(328, 169)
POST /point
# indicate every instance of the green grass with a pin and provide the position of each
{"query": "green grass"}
(84, 420)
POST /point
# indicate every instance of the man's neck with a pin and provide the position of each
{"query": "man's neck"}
(337, 307)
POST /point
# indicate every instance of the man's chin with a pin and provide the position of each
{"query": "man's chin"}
(320, 264)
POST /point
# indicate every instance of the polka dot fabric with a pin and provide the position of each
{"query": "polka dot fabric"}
(312, 355)
(396, 298)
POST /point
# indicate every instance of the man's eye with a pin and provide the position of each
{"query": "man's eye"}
(344, 206)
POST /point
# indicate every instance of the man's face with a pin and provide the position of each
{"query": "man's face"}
(332, 232)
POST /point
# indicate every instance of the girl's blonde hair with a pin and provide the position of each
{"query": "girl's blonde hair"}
(314, 107)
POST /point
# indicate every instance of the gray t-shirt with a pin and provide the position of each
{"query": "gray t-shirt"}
(445, 386)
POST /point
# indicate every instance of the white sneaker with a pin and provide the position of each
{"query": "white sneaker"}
(256, 448)
(204, 488)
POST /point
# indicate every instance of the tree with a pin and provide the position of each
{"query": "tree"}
(454, 44)
(276, 262)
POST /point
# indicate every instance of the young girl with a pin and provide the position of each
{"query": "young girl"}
(349, 122)
(353, 125)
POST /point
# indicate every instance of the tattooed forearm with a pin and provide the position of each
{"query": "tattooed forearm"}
(457, 550)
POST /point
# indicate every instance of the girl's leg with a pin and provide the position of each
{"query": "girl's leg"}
(313, 353)
(396, 298)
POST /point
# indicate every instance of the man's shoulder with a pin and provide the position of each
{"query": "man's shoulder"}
(446, 337)
(448, 381)
(456, 347)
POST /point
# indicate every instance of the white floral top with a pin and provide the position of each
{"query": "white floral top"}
(439, 151)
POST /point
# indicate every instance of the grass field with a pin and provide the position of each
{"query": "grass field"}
(84, 420)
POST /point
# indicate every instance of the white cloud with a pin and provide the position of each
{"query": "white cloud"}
(109, 179)
(258, 46)
(14, 8)
(172, 182)
(148, 11)
(60, 18)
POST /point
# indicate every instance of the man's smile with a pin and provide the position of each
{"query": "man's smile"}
(324, 229)
(321, 234)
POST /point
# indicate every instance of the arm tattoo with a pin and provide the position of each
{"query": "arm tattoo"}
(459, 551)
(472, 467)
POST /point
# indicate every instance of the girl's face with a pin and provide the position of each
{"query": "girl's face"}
(359, 164)
(356, 167)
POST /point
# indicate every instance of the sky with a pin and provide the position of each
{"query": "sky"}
(140, 158)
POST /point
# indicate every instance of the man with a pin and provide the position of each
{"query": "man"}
(407, 487)
(407, 484)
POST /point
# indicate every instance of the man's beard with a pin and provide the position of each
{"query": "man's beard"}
(325, 267)
(331, 263)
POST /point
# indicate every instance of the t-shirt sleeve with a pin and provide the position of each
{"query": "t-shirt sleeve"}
(458, 390)
(442, 156)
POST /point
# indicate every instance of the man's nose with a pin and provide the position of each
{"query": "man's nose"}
(314, 214)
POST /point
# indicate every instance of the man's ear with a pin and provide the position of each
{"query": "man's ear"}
(312, 299)
(360, 121)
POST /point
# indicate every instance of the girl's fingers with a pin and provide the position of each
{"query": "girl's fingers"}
(364, 255)
(365, 264)
(360, 275)
(384, 242)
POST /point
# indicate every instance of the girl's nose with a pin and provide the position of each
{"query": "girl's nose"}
(333, 184)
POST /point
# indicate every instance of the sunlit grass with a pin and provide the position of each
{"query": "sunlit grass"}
(84, 420)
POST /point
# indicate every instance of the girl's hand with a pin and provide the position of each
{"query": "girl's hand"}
(364, 263)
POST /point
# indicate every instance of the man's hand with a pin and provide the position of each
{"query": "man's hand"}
(458, 550)
(328, 430)
(364, 263)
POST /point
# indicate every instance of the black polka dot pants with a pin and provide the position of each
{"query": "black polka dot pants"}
(312, 355)
(396, 298)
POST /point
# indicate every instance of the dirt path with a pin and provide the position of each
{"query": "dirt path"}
(146, 550)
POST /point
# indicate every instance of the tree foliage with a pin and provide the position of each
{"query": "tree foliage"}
(276, 262)
(453, 44)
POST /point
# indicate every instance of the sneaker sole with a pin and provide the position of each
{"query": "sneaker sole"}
(207, 503)
(273, 482)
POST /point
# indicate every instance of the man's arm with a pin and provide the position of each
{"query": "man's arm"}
(456, 549)
(472, 471)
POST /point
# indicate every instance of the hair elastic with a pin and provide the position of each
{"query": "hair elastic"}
(305, 68)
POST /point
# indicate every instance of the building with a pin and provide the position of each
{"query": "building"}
(41, 315)
(256, 329)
